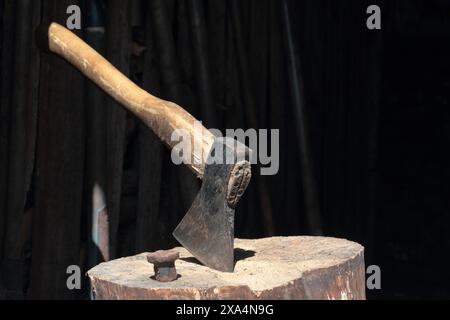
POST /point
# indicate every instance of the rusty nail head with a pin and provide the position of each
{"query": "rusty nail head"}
(164, 264)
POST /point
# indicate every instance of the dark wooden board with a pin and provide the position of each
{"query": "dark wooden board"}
(59, 171)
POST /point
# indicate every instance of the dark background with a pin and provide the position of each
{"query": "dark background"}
(374, 107)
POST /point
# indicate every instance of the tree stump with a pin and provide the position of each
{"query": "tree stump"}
(271, 268)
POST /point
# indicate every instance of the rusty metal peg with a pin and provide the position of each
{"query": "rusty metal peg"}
(164, 264)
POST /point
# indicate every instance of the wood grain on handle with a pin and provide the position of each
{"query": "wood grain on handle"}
(163, 117)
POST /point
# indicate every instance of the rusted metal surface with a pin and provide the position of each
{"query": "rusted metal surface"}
(300, 268)
(238, 182)
(164, 264)
(207, 229)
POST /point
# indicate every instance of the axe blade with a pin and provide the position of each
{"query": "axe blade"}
(207, 229)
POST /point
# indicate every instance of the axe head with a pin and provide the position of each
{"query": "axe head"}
(207, 229)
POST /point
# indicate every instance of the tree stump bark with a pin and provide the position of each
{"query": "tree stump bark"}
(271, 268)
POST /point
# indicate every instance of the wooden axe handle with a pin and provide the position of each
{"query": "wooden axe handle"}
(163, 117)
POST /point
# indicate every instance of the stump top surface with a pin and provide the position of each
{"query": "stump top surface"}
(261, 264)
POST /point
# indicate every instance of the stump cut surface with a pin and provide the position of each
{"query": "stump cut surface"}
(270, 268)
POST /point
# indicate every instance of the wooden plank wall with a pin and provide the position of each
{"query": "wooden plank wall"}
(59, 171)
(20, 106)
(225, 62)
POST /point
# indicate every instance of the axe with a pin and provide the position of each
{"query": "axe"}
(207, 229)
